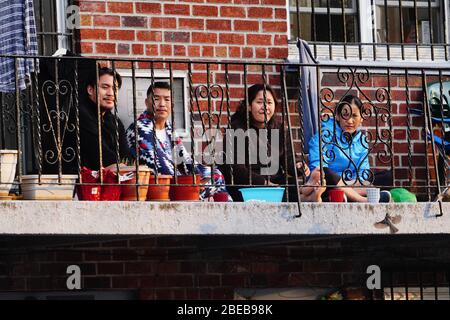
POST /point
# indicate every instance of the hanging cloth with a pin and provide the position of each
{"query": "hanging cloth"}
(308, 92)
(17, 37)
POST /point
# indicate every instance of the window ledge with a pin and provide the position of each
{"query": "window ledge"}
(367, 50)
(203, 218)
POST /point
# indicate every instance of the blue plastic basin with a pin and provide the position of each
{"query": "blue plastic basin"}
(263, 194)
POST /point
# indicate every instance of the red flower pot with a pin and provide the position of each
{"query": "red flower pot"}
(185, 193)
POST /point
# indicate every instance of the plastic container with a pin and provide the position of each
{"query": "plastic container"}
(269, 194)
(49, 189)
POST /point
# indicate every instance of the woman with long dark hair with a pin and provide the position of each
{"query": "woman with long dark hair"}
(259, 156)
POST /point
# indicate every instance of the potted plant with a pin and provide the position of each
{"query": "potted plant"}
(159, 187)
(128, 180)
(8, 163)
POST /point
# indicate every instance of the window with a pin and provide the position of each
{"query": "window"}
(415, 17)
(125, 98)
(51, 25)
(318, 22)
(375, 29)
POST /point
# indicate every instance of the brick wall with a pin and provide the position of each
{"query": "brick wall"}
(186, 268)
(194, 29)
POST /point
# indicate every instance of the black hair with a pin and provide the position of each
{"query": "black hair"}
(158, 85)
(348, 100)
(92, 81)
(242, 111)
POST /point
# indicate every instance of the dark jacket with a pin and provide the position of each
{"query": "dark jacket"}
(89, 145)
(239, 174)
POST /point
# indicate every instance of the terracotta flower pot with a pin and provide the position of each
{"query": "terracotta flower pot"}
(159, 190)
(128, 186)
(185, 193)
(8, 163)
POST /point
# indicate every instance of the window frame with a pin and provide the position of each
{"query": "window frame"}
(162, 74)
(366, 33)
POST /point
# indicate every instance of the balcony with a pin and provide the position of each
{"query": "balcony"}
(403, 113)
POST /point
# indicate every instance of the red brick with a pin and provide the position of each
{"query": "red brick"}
(278, 53)
(231, 38)
(247, 52)
(177, 9)
(222, 25)
(221, 52)
(121, 35)
(149, 36)
(280, 40)
(191, 23)
(260, 13)
(97, 283)
(234, 52)
(207, 280)
(125, 282)
(110, 21)
(259, 39)
(209, 11)
(236, 12)
(275, 2)
(157, 22)
(86, 20)
(151, 50)
(154, 8)
(207, 51)
(110, 268)
(139, 267)
(180, 281)
(145, 242)
(120, 7)
(92, 6)
(203, 37)
(246, 25)
(246, 1)
(269, 26)
(177, 36)
(105, 48)
(134, 21)
(280, 14)
(93, 34)
(179, 51)
(194, 51)
(260, 53)
(123, 48)
(166, 50)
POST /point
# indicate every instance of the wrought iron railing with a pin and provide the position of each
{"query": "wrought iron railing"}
(403, 111)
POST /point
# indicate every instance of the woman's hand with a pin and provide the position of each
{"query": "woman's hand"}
(303, 166)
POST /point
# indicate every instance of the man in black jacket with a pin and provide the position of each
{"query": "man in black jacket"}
(100, 100)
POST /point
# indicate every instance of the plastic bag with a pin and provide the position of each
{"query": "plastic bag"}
(110, 192)
(402, 195)
(89, 192)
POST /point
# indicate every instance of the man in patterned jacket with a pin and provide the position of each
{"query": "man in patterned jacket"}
(156, 142)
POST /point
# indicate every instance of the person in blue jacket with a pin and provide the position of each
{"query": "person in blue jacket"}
(345, 156)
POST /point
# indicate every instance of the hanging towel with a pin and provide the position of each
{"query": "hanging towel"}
(308, 92)
(17, 37)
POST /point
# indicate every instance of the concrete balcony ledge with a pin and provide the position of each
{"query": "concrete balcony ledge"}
(200, 218)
